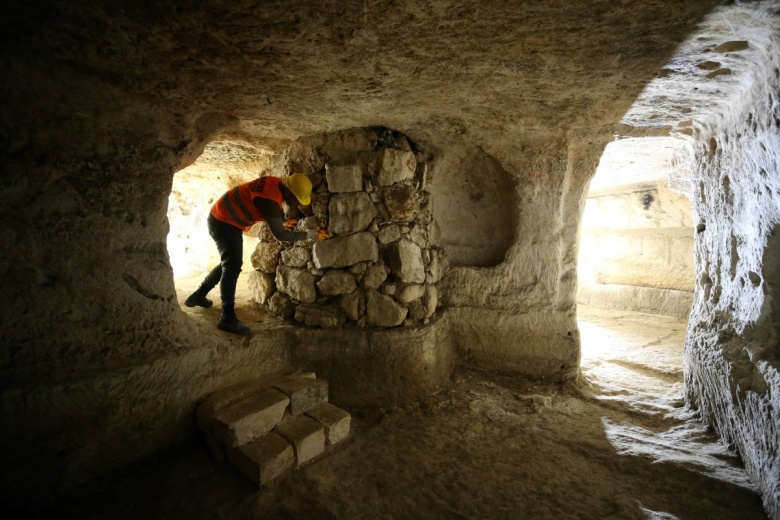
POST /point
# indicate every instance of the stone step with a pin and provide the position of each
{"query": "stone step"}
(304, 394)
(334, 420)
(263, 459)
(244, 421)
(305, 434)
(265, 426)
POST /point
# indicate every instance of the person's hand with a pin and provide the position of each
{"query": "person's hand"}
(290, 224)
(322, 234)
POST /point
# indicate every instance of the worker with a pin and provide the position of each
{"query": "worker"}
(234, 213)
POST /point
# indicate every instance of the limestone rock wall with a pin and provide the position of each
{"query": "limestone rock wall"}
(381, 266)
(732, 355)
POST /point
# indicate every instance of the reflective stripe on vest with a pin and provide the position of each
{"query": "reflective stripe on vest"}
(236, 206)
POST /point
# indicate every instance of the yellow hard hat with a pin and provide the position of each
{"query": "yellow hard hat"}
(300, 186)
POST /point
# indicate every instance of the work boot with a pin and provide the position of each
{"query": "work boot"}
(198, 300)
(229, 322)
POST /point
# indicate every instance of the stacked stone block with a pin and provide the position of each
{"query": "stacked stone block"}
(381, 266)
(267, 426)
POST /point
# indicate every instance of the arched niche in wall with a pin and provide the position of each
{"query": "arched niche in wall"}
(475, 207)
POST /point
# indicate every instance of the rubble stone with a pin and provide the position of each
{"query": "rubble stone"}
(395, 166)
(315, 316)
(416, 311)
(409, 292)
(296, 256)
(335, 283)
(296, 283)
(351, 305)
(389, 234)
(399, 202)
(345, 251)
(405, 261)
(281, 305)
(435, 269)
(344, 177)
(261, 286)
(265, 257)
(383, 311)
(375, 276)
(350, 213)
(430, 300)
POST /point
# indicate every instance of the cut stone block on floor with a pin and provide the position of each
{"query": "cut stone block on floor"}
(304, 394)
(305, 434)
(263, 459)
(241, 422)
(334, 420)
(267, 425)
(238, 392)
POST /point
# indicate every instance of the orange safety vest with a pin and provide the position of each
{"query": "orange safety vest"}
(236, 207)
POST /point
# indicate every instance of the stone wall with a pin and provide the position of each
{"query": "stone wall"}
(732, 357)
(381, 264)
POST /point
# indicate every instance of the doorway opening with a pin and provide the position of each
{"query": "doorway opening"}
(636, 272)
(223, 165)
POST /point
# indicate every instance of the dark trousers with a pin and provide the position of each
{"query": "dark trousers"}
(230, 244)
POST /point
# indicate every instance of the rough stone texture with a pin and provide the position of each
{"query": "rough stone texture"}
(296, 283)
(263, 459)
(395, 166)
(389, 234)
(345, 251)
(262, 285)
(281, 305)
(304, 393)
(296, 257)
(305, 434)
(494, 85)
(383, 311)
(334, 283)
(350, 212)
(333, 419)
(405, 261)
(430, 300)
(352, 305)
(400, 203)
(409, 292)
(240, 422)
(314, 316)
(375, 276)
(731, 370)
(344, 177)
(266, 256)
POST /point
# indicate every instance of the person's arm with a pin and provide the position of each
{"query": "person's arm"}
(275, 219)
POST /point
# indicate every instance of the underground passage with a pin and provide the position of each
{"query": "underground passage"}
(495, 260)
